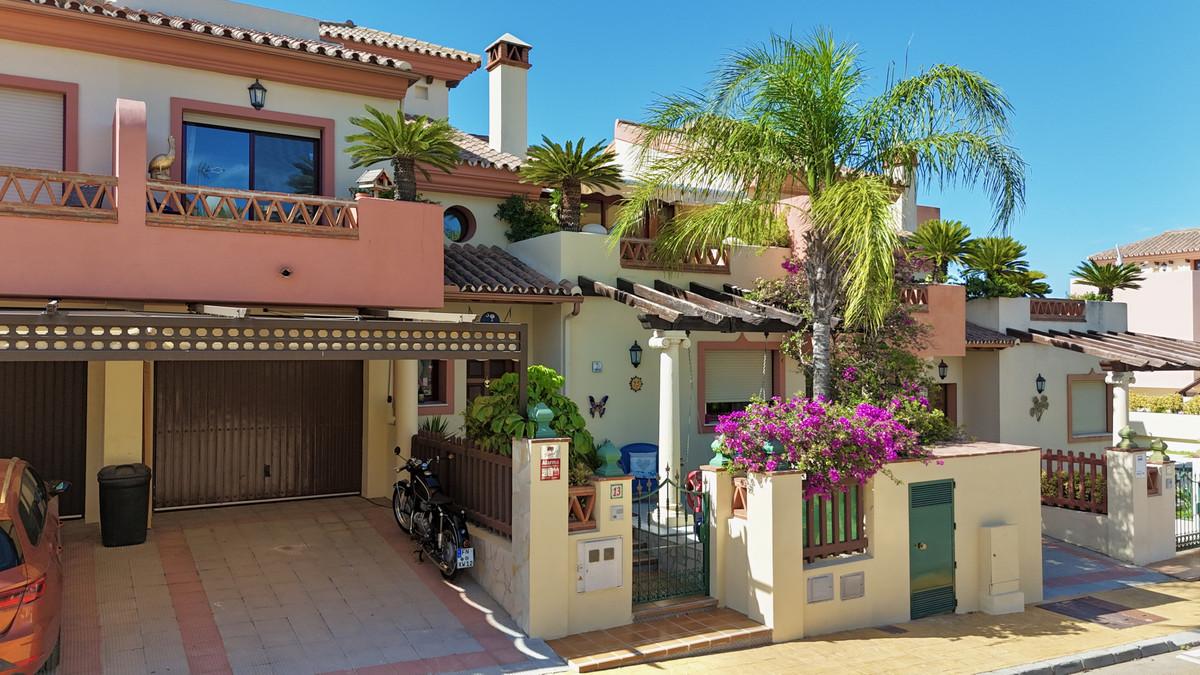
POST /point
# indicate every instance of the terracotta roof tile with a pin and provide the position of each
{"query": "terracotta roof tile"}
(978, 335)
(477, 152)
(329, 49)
(491, 269)
(379, 38)
(1166, 243)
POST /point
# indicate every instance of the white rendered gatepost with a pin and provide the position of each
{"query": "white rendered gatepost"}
(669, 459)
(1120, 402)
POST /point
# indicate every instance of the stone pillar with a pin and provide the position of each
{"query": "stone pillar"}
(774, 553)
(669, 461)
(718, 484)
(541, 573)
(404, 405)
(1141, 528)
(378, 474)
(115, 431)
(1120, 402)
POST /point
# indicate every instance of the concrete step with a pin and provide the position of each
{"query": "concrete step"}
(648, 611)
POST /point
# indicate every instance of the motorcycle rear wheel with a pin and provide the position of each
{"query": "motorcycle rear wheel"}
(402, 509)
(448, 565)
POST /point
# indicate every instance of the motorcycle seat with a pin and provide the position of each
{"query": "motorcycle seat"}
(440, 499)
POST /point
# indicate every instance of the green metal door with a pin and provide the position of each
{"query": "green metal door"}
(931, 547)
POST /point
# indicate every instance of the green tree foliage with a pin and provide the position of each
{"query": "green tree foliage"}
(493, 420)
(995, 267)
(942, 243)
(569, 168)
(797, 113)
(409, 145)
(525, 218)
(1106, 278)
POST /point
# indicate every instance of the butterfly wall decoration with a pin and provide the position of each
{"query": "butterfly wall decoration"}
(595, 406)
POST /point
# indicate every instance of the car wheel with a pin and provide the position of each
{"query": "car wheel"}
(52, 662)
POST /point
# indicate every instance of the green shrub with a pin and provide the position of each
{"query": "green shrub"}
(526, 219)
(1191, 406)
(1090, 488)
(1167, 403)
(435, 425)
(493, 420)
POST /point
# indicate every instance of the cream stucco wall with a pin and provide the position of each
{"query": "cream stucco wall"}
(1181, 432)
(1164, 305)
(488, 230)
(103, 79)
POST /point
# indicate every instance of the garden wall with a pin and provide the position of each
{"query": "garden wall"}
(494, 567)
(1180, 431)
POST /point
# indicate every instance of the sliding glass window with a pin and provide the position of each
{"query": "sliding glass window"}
(244, 159)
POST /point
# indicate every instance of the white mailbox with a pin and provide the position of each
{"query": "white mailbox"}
(599, 564)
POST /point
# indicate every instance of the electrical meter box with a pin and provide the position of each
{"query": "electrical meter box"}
(599, 565)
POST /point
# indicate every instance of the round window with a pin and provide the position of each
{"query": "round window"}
(458, 224)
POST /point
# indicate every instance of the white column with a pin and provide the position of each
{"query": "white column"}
(1120, 402)
(668, 402)
(404, 400)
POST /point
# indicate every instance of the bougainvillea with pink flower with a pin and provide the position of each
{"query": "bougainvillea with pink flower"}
(832, 443)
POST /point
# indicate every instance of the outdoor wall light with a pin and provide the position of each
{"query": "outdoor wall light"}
(635, 354)
(258, 95)
(1040, 383)
(489, 317)
(943, 369)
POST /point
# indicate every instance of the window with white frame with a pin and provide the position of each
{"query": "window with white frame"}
(734, 377)
(1089, 404)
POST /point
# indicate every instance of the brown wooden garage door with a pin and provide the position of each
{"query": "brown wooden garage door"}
(235, 431)
(43, 419)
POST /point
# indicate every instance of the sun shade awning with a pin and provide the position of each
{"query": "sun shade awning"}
(666, 306)
(1121, 351)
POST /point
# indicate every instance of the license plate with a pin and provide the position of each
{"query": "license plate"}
(466, 558)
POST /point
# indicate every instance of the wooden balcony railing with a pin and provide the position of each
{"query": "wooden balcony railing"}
(581, 502)
(57, 194)
(220, 208)
(835, 525)
(1042, 309)
(477, 480)
(639, 254)
(917, 296)
(1077, 482)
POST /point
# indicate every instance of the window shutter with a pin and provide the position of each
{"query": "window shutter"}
(1090, 404)
(31, 129)
(733, 376)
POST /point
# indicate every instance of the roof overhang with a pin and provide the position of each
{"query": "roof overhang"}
(666, 306)
(1121, 351)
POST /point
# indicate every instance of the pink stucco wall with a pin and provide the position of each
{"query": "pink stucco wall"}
(946, 317)
(396, 260)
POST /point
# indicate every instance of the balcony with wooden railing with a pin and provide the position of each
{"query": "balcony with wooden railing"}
(123, 237)
(637, 253)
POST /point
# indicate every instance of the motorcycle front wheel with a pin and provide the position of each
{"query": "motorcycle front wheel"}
(402, 509)
(449, 551)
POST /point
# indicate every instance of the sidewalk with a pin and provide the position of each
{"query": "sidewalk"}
(968, 643)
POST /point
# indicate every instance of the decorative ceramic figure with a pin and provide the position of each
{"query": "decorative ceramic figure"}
(595, 406)
(719, 460)
(1127, 442)
(610, 458)
(635, 383)
(160, 165)
(1159, 446)
(1040, 405)
(542, 414)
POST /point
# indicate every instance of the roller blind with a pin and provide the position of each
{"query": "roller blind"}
(735, 376)
(31, 129)
(1089, 407)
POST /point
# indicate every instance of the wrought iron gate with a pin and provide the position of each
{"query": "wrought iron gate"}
(1187, 507)
(670, 539)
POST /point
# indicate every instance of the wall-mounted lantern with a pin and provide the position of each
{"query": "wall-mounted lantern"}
(489, 317)
(635, 354)
(258, 95)
(943, 369)
(1040, 383)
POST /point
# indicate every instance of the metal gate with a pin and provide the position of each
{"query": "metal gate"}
(43, 419)
(670, 540)
(1187, 507)
(242, 431)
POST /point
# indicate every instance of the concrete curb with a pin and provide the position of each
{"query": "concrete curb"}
(1111, 656)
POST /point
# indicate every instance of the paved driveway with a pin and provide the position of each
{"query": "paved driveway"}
(1069, 571)
(317, 586)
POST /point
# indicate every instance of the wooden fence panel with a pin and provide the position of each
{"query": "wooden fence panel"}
(477, 480)
(1075, 481)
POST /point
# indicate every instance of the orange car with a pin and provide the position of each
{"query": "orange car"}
(31, 575)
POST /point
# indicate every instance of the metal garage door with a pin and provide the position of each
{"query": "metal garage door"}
(43, 418)
(237, 431)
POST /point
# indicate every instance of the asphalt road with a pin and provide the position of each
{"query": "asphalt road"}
(1163, 664)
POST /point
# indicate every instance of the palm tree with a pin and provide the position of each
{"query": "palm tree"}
(790, 117)
(408, 144)
(569, 167)
(995, 267)
(1107, 278)
(941, 242)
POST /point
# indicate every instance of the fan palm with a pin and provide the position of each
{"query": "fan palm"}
(408, 144)
(942, 243)
(1107, 278)
(791, 117)
(569, 167)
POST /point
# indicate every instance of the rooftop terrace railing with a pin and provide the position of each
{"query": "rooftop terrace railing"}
(57, 194)
(1053, 309)
(638, 253)
(223, 208)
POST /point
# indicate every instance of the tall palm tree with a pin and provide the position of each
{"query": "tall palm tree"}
(942, 243)
(789, 117)
(409, 145)
(569, 167)
(1108, 277)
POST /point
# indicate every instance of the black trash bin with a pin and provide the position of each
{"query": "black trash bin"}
(124, 503)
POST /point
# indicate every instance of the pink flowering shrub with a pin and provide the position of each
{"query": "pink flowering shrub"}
(830, 442)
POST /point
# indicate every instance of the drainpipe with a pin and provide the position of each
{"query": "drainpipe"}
(566, 338)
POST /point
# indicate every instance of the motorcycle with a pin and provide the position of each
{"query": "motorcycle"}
(431, 518)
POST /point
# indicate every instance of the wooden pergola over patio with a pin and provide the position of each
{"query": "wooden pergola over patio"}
(666, 306)
(1121, 351)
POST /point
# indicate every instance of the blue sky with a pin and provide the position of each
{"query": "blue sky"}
(1105, 95)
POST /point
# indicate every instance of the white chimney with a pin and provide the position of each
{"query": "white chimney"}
(508, 95)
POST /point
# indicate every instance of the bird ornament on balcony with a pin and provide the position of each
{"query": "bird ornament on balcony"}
(160, 165)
